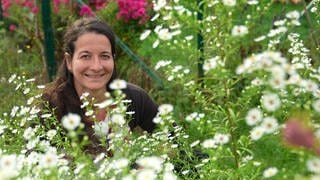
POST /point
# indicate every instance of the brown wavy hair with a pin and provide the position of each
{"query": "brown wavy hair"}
(61, 94)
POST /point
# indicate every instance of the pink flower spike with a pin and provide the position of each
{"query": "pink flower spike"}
(296, 134)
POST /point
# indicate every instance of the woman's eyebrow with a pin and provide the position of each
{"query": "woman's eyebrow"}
(108, 52)
(84, 51)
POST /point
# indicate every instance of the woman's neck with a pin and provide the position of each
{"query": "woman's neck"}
(99, 95)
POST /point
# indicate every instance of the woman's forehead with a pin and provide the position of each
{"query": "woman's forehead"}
(92, 41)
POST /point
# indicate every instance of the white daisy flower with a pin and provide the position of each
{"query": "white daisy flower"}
(145, 174)
(48, 160)
(157, 120)
(104, 104)
(41, 86)
(51, 133)
(165, 109)
(84, 95)
(32, 158)
(293, 14)
(271, 102)
(168, 175)
(313, 165)
(28, 133)
(313, 9)
(209, 143)
(8, 162)
(101, 128)
(211, 63)
(188, 38)
(254, 116)
(71, 121)
(260, 38)
(118, 119)
(151, 162)
(47, 115)
(309, 85)
(239, 30)
(118, 84)
(79, 167)
(256, 133)
(156, 16)
(221, 138)
(257, 82)
(168, 166)
(84, 104)
(89, 113)
(159, 4)
(229, 2)
(195, 143)
(270, 124)
(247, 158)
(316, 105)
(252, 2)
(2, 128)
(26, 90)
(271, 171)
(12, 78)
(294, 79)
(164, 34)
(155, 43)
(120, 163)
(162, 63)
(145, 34)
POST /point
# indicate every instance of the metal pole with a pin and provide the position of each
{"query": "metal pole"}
(200, 43)
(48, 38)
(135, 58)
(1, 11)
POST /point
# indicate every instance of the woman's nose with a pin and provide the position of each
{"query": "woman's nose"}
(96, 64)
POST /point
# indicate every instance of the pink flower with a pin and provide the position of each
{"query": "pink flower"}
(12, 27)
(35, 10)
(296, 133)
(86, 11)
(28, 4)
(133, 9)
(5, 6)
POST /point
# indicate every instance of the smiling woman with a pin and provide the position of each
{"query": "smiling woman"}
(91, 65)
(89, 68)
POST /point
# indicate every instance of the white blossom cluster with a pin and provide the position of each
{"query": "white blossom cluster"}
(164, 12)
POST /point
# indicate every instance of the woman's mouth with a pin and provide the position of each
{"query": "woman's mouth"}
(94, 76)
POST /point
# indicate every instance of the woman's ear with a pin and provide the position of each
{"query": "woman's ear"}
(68, 59)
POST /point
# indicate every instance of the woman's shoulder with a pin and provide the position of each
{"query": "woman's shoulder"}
(138, 95)
(134, 90)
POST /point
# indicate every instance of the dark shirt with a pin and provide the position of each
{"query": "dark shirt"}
(143, 107)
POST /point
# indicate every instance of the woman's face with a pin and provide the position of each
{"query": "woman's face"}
(92, 63)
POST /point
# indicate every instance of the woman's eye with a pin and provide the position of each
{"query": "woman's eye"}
(105, 56)
(86, 56)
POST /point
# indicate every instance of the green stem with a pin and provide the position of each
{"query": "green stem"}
(231, 126)
(307, 14)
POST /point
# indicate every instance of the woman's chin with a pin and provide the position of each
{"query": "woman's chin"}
(96, 87)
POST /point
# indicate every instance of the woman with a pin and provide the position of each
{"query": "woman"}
(89, 66)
